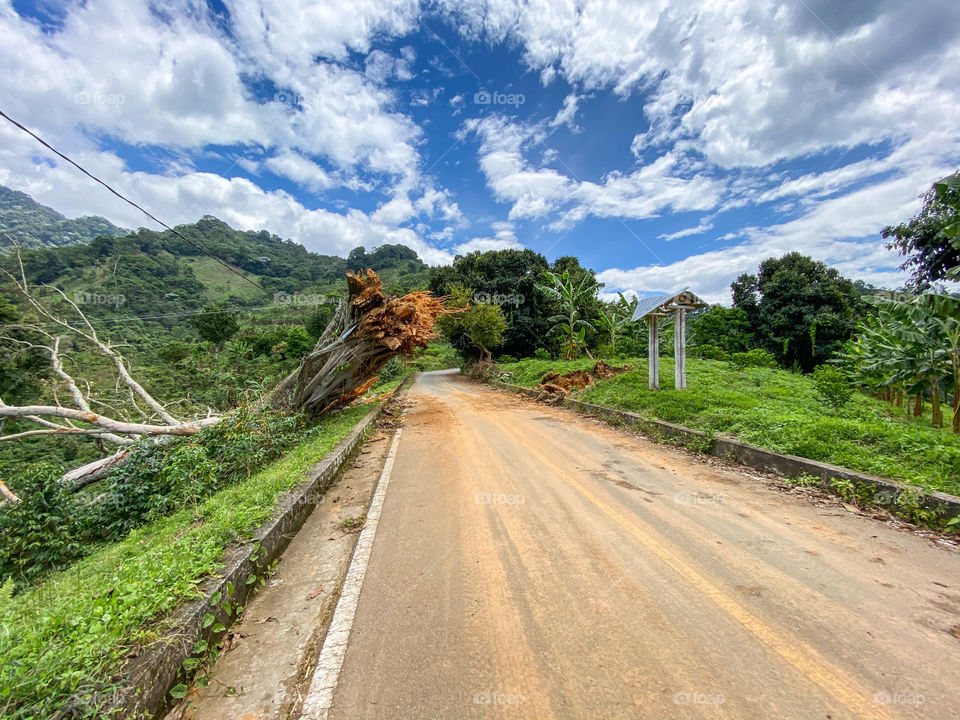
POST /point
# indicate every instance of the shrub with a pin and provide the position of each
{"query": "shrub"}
(541, 354)
(710, 352)
(831, 387)
(504, 359)
(40, 533)
(391, 370)
(51, 527)
(753, 358)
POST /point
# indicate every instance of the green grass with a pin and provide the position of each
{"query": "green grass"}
(438, 355)
(221, 282)
(778, 410)
(62, 641)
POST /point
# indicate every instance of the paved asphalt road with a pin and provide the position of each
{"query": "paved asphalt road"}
(533, 564)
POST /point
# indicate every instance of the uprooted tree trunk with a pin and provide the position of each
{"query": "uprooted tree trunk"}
(365, 332)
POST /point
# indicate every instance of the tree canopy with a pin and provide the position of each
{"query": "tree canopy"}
(798, 308)
(928, 240)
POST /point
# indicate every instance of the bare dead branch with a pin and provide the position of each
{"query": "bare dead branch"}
(108, 424)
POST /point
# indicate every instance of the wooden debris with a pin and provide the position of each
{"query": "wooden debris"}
(555, 385)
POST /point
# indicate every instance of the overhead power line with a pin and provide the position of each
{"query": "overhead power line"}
(128, 200)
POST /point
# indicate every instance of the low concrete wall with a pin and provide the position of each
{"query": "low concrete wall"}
(884, 490)
(147, 679)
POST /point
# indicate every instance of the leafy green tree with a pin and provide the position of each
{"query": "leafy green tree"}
(721, 327)
(931, 239)
(480, 325)
(510, 276)
(215, 325)
(798, 308)
(914, 341)
(572, 296)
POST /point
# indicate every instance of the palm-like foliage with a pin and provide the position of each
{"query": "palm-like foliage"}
(912, 344)
(571, 297)
(614, 318)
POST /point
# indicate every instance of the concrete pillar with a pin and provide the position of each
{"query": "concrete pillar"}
(653, 352)
(680, 348)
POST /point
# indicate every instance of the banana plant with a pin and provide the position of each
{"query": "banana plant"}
(614, 318)
(917, 343)
(571, 297)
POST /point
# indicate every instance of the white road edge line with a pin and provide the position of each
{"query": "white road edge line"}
(319, 698)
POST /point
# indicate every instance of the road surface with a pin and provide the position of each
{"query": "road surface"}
(532, 564)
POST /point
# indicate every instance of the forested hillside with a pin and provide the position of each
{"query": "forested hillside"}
(27, 223)
(205, 322)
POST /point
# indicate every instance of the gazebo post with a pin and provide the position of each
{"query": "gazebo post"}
(680, 347)
(653, 352)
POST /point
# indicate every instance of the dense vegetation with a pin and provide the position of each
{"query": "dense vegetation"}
(198, 334)
(29, 224)
(63, 640)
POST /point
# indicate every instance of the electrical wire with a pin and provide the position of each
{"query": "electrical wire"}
(127, 200)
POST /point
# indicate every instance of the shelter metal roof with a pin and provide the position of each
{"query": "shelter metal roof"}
(666, 303)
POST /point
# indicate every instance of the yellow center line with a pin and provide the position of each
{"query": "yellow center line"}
(805, 659)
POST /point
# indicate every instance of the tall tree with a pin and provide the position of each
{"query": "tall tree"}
(928, 240)
(509, 278)
(726, 328)
(215, 325)
(798, 308)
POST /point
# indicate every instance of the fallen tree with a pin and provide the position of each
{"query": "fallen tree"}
(366, 331)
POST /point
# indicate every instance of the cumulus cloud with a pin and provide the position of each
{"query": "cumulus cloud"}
(832, 231)
(535, 192)
(504, 238)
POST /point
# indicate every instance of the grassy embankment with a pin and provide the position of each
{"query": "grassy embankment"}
(62, 641)
(778, 410)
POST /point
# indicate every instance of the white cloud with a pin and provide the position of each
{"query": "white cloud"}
(301, 170)
(178, 199)
(747, 82)
(842, 232)
(567, 114)
(664, 184)
(698, 229)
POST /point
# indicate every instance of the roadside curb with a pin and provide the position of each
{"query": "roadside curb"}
(147, 679)
(727, 447)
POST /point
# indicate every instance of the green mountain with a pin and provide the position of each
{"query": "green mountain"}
(33, 225)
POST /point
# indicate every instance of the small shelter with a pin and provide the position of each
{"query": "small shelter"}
(654, 308)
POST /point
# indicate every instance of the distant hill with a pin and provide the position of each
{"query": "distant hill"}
(34, 225)
(160, 274)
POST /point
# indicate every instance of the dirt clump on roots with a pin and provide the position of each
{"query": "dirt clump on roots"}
(555, 386)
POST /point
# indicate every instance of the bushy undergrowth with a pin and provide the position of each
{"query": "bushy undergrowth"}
(63, 639)
(52, 527)
(780, 411)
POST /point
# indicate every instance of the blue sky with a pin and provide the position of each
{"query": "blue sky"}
(665, 144)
